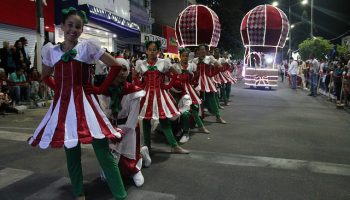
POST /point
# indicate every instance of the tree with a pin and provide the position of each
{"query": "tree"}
(342, 50)
(318, 46)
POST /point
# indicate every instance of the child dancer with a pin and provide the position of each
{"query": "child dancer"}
(189, 102)
(75, 116)
(205, 84)
(158, 105)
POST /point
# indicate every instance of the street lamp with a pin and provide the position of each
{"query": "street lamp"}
(303, 2)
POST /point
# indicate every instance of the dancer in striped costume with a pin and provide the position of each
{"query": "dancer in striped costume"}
(207, 67)
(75, 116)
(227, 69)
(189, 101)
(158, 106)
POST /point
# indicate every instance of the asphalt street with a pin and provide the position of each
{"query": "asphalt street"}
(277, 145)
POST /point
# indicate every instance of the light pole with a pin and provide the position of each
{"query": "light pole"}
(290, 33)
(303, 2)
(312, 19)
(39, 32)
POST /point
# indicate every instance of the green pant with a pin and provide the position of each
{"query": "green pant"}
(211, 103)
(216, 95)
(185, 122)
(228, 90)
(166, 127)
(107, 163)
(195, 115)
(223, 93)
(185, 118)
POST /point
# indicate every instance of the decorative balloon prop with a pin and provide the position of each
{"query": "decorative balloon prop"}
(264, 31)
(196, 25)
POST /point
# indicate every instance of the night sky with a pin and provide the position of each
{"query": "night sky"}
(331, 17)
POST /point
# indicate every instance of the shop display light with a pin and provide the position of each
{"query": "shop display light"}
(114, 18)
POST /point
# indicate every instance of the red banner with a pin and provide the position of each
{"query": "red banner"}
(22, 13)
(169, 35)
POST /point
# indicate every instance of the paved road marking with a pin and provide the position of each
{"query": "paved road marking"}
(56, 191)
(19, 128)
(138, 194)
(236, 159)
(269, 162)
(9, 176)
(52, 191)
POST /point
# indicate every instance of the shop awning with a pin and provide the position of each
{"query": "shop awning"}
(119, 25)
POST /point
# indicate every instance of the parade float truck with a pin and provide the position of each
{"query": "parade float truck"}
(264, 31)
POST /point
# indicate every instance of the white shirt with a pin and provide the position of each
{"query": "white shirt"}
(293, 68)
(314, 66)
(100, 68)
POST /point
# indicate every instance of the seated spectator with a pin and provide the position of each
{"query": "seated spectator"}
(20, 88)
(3, 77)
(34, 79)
(6, 102)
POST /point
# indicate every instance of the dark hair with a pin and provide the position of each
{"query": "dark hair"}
(203, 45)
(157, 43)
(182, 50)
(16, 43)
(72, 11)
(22, 39)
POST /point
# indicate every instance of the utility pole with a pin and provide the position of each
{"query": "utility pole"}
(290, 32)
(312, 19)
(39, 32)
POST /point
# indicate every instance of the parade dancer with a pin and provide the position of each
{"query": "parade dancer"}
(75, 116)
(158, 106)
(122, 105)
(226, 72)
(203, 79)
(189, 102)
(219, 79)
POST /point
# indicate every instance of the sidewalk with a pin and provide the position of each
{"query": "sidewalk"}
(32, 105)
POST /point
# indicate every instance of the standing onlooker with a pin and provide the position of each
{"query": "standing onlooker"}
(301, 74)
(282, 71)
(293, 72)
(314, 69)
(26, 51)
(21, 59)
(20, 88)
(337, 80)
(8, 58)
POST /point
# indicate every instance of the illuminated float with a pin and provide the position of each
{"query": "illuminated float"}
(264, 31)
(196, 25)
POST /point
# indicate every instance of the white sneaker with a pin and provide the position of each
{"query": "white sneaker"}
(138, 179)
(184, 138)
(145, 156)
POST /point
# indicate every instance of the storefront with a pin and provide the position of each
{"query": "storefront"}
(172, 49)
(18, 19)
(114, 32)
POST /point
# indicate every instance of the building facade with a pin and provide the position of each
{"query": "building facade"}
(109, 21)
(18, 19)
